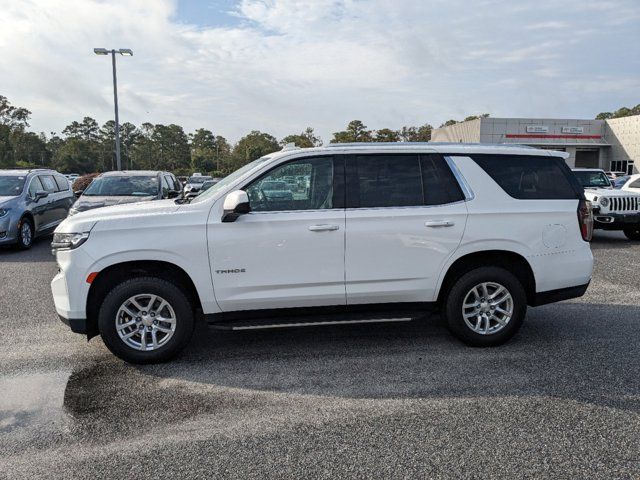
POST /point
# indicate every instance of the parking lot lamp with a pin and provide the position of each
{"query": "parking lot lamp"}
(126, 52)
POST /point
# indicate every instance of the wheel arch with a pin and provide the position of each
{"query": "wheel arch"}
(509, 260)
(118, 272)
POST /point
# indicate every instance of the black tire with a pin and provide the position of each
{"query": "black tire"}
(23, 243)
(632, 233)
(462, 286)
(173, 294)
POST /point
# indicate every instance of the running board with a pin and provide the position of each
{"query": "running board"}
(294, 323)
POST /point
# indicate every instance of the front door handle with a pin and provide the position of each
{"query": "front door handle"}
(439, 223)
(323, 228)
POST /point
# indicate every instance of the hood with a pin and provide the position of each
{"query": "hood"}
(87, 202)
(608, 192)
(6, 199)
(84, 221)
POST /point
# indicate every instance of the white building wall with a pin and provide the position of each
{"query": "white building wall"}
(624, 136)
(464, 132)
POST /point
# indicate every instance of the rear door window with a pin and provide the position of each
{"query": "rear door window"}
(440, 186)
(384, 181)
(400, 180)
(530, 177)
(62, 182)
(48, 183)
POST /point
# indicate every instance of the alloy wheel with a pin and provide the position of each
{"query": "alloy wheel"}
(145, 322)
(487, 308)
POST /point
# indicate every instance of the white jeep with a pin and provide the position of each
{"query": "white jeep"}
(383, 232)
(613, 209)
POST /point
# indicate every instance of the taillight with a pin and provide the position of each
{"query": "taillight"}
(585, 220)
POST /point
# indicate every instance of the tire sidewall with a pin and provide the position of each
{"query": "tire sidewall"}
(458, 292)
(167, 290)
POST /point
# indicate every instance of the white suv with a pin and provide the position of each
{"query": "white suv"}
(613, 209)
(377, 232)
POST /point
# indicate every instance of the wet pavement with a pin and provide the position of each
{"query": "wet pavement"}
(398, 400)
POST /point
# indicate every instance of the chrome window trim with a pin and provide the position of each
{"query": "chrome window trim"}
(466, 189)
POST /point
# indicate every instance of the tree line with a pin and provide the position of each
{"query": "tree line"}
(85, 146)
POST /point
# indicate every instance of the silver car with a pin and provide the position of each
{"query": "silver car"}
(116, 188)
(32, 203)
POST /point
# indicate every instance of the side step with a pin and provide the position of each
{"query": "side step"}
(293, 322)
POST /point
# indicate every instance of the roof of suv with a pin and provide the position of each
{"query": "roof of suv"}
(451, 148)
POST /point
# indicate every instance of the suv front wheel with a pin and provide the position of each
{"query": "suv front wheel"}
(485, 307)
(146, 320)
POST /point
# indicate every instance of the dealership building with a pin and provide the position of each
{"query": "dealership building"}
(608, 144)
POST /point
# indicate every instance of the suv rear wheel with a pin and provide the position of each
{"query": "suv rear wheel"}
(146, 320)
(485, 307)
(632, 233)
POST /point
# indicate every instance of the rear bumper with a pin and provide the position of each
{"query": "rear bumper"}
(552, 296)
(77, 325)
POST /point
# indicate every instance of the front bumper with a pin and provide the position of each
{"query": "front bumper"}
(69, 287)
(614, 220)
(8, 230)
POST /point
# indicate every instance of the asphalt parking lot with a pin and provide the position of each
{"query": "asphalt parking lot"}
(562, 400)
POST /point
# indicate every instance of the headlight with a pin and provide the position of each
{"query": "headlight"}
(68, 241)
(604, 201)
(3, 212)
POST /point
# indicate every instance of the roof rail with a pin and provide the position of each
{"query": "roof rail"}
(425, 144)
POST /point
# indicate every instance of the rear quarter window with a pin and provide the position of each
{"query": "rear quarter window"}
(530, 177)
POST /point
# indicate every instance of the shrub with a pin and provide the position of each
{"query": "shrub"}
(83, 182)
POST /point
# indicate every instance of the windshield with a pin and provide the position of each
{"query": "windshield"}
(198, 179)
(117, 186)
(11, 186)
(229, 179)
(593, 179)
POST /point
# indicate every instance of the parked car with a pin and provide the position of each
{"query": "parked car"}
(273, 190)
(205, 186)
(620, 181)
(182, 179)
(613, 175)
(121, 187)
(384, 233)
(32, 203)
(195, 182)
(613, 209)
(631, 183)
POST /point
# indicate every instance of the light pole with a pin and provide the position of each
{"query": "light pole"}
(127, 53)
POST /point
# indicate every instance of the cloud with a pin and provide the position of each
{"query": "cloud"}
(287, 64)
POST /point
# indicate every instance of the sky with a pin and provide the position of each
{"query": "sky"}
(280, 66)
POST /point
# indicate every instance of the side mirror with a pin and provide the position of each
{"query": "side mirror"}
(40, 194)
(77, 193)
(173, 194)
(235, 204)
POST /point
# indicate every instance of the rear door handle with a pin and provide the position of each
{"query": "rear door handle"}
(323, 228)
(439, 223)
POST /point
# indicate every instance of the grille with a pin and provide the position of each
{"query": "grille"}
(624, 204)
